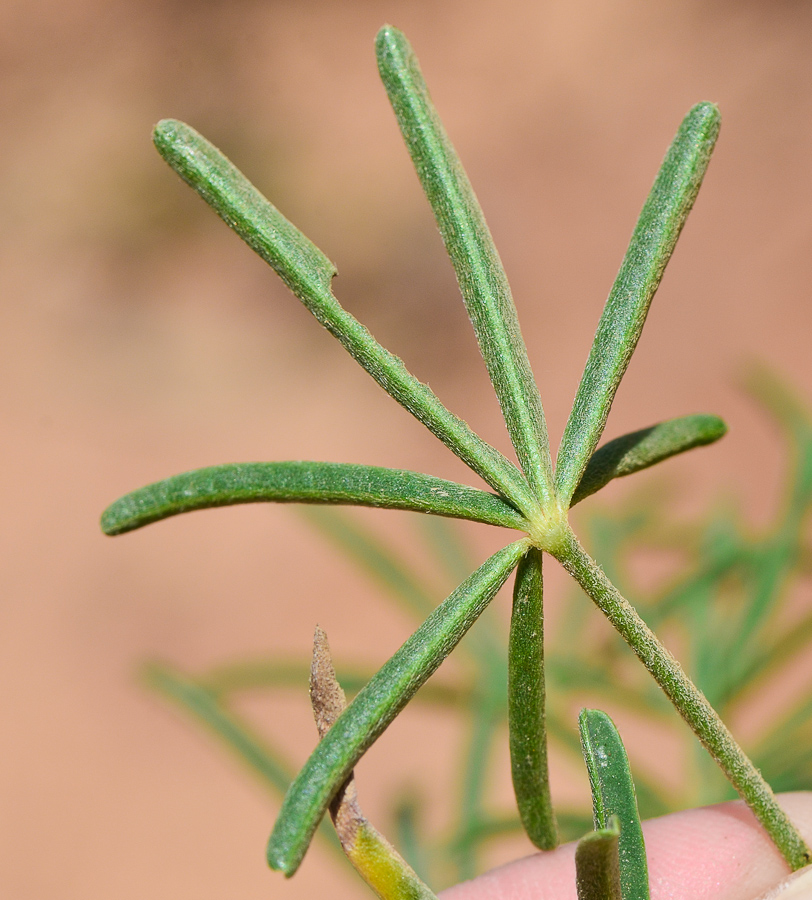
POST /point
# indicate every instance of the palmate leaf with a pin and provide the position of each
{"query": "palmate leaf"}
(527, 501)
(306, 482)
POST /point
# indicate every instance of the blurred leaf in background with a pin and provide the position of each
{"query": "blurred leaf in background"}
(733, 608)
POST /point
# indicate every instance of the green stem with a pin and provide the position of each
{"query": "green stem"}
(485, 719)
(688, 700)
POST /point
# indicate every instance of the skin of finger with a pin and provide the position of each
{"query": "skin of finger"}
(716, 853)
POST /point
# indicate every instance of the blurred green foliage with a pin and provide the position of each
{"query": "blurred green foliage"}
(733, 610)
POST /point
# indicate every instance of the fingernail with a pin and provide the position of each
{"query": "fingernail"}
(796, 887)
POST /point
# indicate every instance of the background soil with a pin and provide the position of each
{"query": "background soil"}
(139, 338)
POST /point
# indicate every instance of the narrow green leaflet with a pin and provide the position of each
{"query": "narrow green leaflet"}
(414, 844)
(652, 244)
(208, 709)
(374, 708)
(776, 397)
(378, 559)
(646, 447)
(305, 482)
(251, 676)
(788, 742)
(386, 563)
(476, 262)
(775, 651)
(613, 795)
(775, 558)
(308, 273)
(444, 542)
(235, 734)
(597, 865)
(485, 714)
(526, 724)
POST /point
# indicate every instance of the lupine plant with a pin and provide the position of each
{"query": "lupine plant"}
(533, 498)
(731, 602)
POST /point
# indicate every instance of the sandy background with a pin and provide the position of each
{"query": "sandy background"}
(139, 338)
